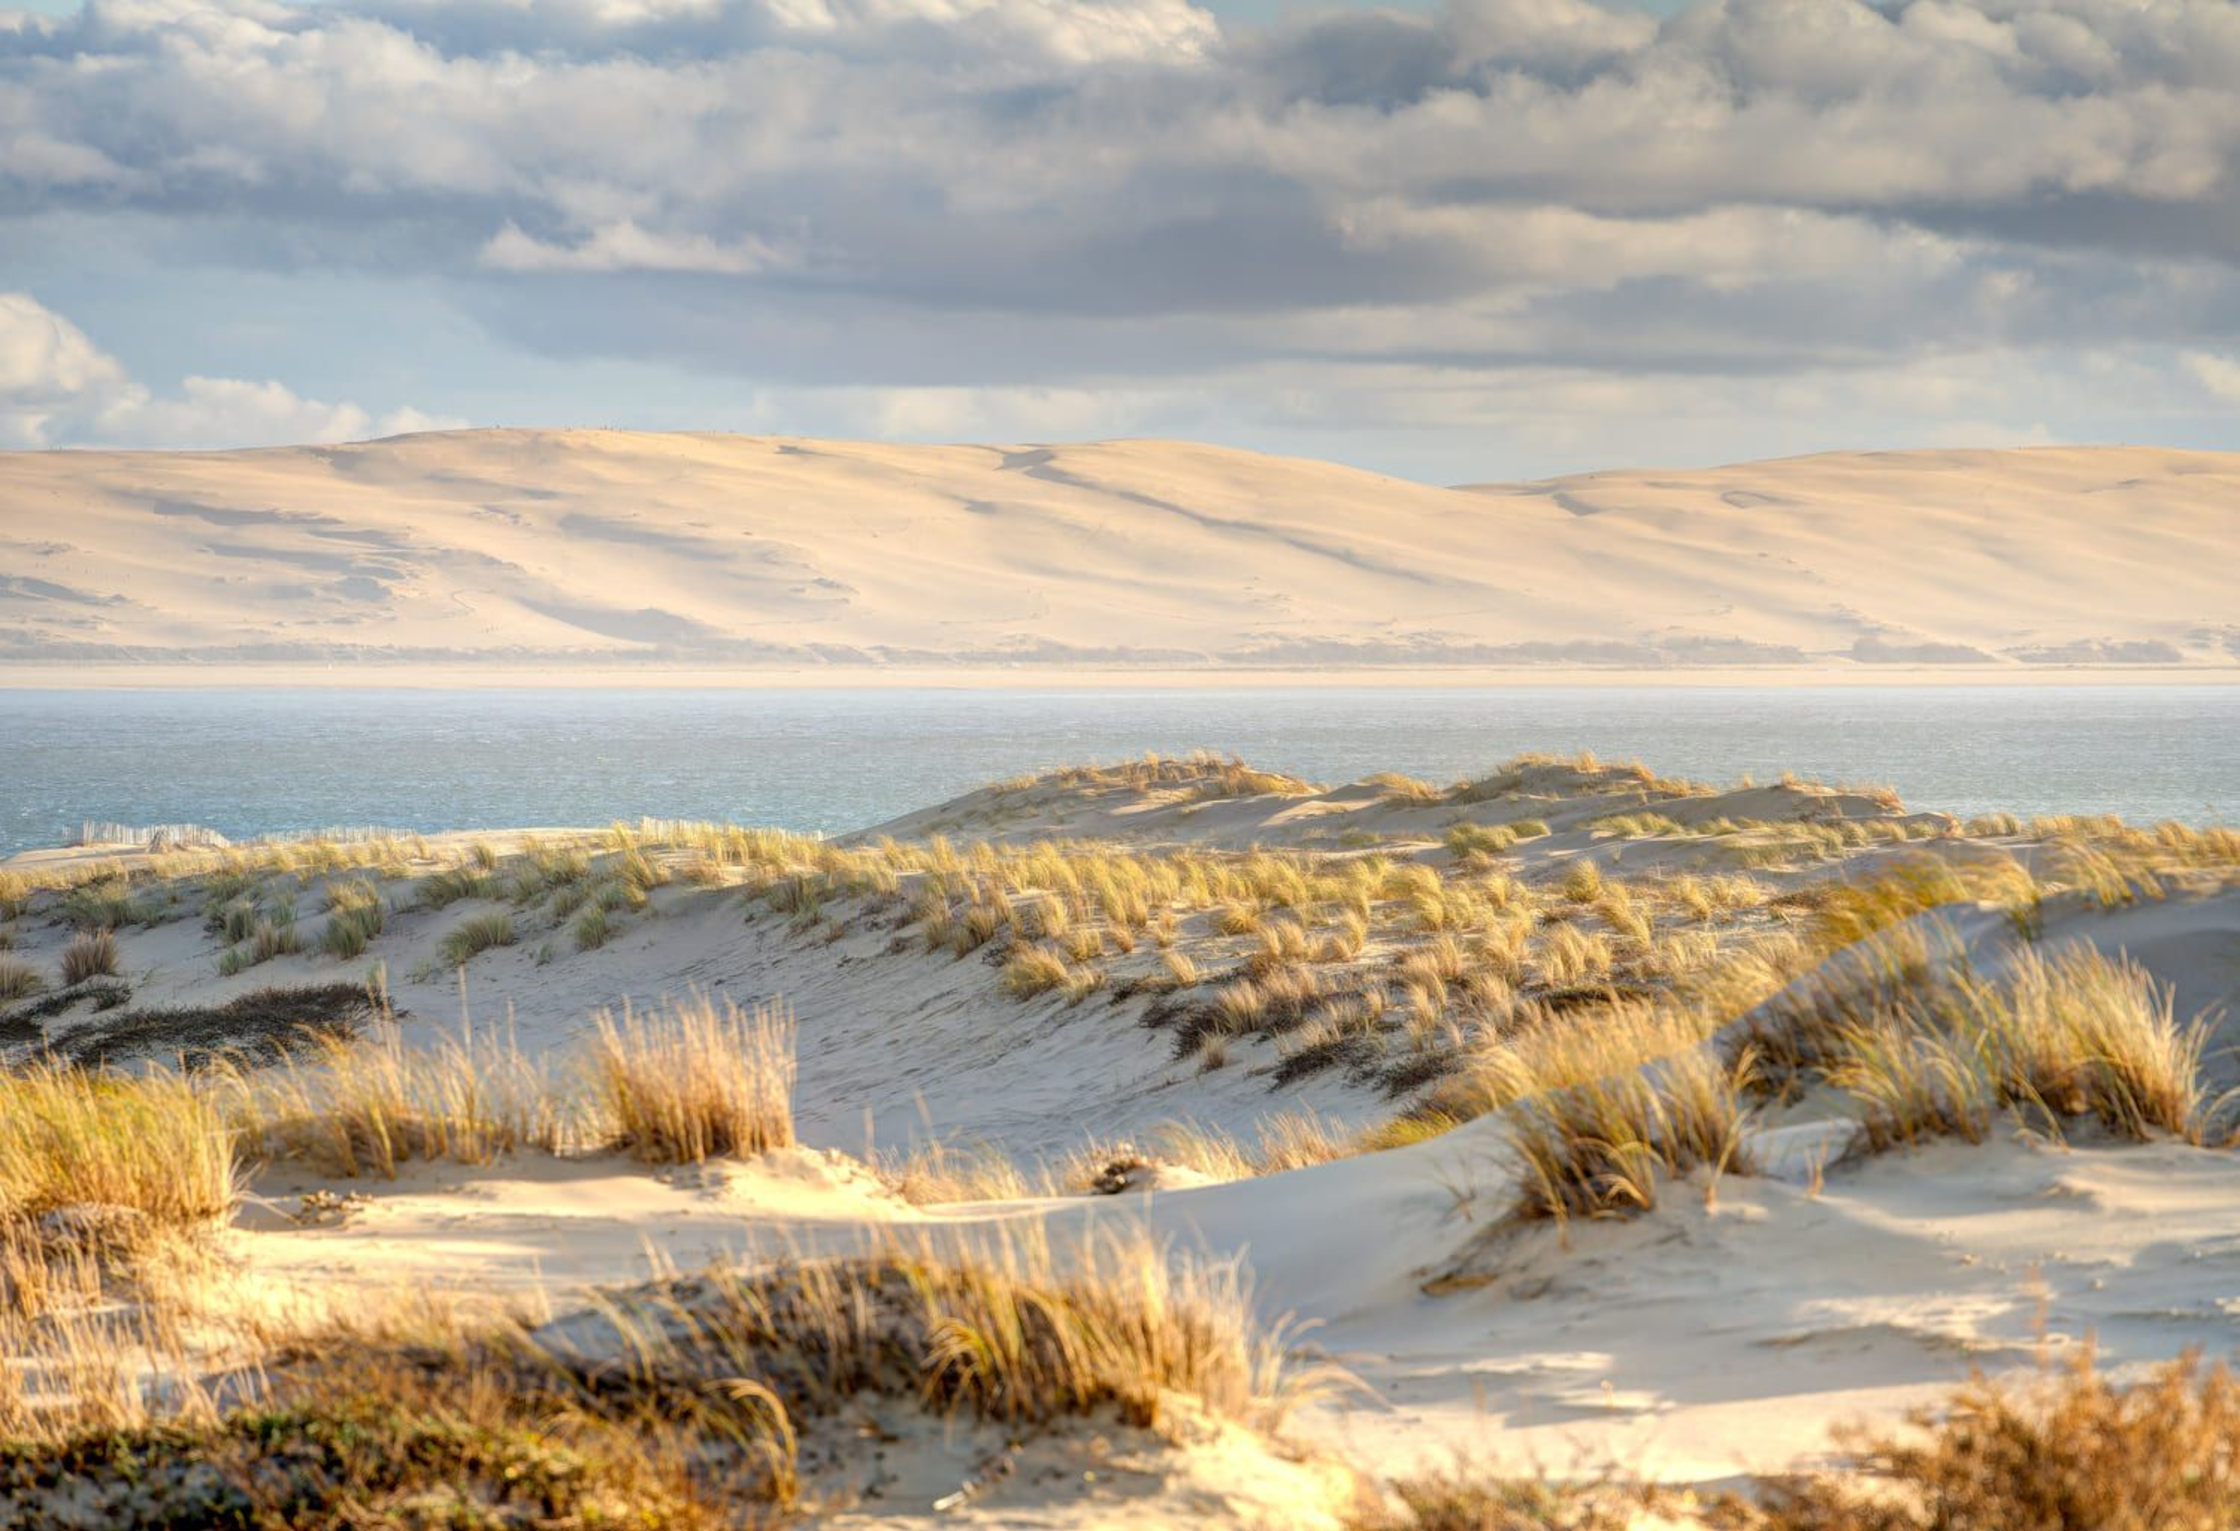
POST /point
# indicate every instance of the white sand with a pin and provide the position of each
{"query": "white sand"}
(722, 557)
(1723, 1334)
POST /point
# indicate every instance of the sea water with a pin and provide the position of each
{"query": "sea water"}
(253, 761)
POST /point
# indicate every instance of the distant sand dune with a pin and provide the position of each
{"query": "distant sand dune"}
(603, 547)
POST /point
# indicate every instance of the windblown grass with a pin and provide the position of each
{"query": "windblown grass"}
(1608, 1145)
(697, 1080)
(679, 1085)
(2077, 1035)
(674, 1407)
(440, 890)
(367, 1106)
(154, 1144)
(593, 927)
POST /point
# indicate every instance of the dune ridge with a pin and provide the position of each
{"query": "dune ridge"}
(460, 551)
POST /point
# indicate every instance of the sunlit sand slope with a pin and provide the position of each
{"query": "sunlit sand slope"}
(598, 547)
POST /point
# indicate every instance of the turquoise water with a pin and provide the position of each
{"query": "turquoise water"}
(248, 762)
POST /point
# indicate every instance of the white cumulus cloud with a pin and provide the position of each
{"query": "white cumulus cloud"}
(57, 388)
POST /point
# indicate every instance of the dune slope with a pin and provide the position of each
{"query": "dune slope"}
(1433, 943)
(599, 547)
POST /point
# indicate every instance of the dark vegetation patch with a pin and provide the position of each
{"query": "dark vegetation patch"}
(1353, 1051)
(343, 1463)
(259, 1027)
(1564, 999)
(1194, 1026)
(24, 1022)
(1414, 1072)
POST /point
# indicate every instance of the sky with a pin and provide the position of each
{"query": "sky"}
(1458, 242)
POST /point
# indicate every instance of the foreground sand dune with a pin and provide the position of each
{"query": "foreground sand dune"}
(1039, 975)
(714, 552)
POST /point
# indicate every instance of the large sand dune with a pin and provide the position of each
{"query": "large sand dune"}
(593, 548)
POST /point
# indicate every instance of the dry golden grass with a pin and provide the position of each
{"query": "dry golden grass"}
(18, 980)
(90, 954)
(1608, 1145)
(677, 1406)
(697, 1080)
(1033, 970)
(1287, 1140)
(1541, 1052)
(1851, 911)
(2076, 1035)
(368, 1105)
(1408, 790)
(1571, 956)
(1636, 826)
(1458, 1499)
(154, 1144)
(2065, 1451)
(1208, 775)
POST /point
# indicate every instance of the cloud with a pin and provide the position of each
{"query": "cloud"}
(2219, 375)
(1058, 199)
(59, 389)
(624, 246)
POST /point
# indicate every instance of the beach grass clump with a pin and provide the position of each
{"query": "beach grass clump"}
(1607, 1146)
(593, 926)
(18, 980)
(547, 867)
(696, 1080)
(2065, 1448)
(440, 890)
(368, 1105)
(1004, 1328)
(153, 1144)
(2076, 1035)
(356, 917)
(2060, 1450)
(1033, 970)
(1637, 826)
(1849, 912)
(1408, 791)
(1910, 1084)
(91, 954)
(1581, 882)
(273, 938)
(1466, 840)
(476, 934)
(107, 902)
(258, 936)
